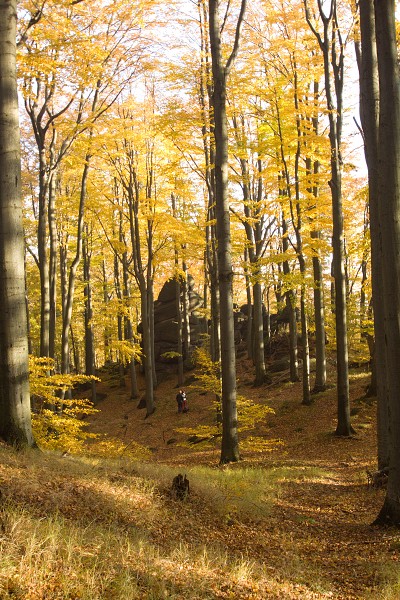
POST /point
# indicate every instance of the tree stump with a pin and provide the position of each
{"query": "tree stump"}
(180, 487)
(378, 479)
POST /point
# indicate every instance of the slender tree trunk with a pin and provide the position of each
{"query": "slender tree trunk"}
(150, 303)
(319, 316)
(252, 228)
(178, 304)
(215, 334)
(304, 339)
(107, 332)
(129, 327)
(318, 294)
(186, 333)
(143, 282)
(290, 295)
(343, 422)
(297, 218)
(258, 327)
(15, 415)
(40, 132)
(43, 266)
(88, 314)
(147, 350)
(257, 321)
(67, 315)
(120, 318)
(290, 300)
(69, 301)
(75, 352)
(52, 258)
(249, 325)
(178, 295)
(207, 129)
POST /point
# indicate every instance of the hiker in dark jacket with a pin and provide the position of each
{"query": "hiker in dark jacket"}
(180, 397)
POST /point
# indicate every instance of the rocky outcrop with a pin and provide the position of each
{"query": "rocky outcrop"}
(166, 319)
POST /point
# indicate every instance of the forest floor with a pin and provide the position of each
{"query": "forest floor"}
(290, 522)
(317, 540)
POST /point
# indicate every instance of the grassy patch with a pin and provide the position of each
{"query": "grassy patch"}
(234, 492)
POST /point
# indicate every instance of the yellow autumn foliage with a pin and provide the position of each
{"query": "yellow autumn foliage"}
(57, 422)
(249, 412)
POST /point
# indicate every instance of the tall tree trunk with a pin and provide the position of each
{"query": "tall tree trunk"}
(290, 295)
(15, 414)
(215, 333)
(88, 314)
(147, 349)
(129, 327)
(249, 325)
(290, 300)
(69, 300)
(369, 112)
(142, 281)
(297, 218)
(254, 250)
(107, 332)
(229, 446)
(258, 328)
(52, 252)
(43, 264)
(331, 45)
(178, 296)
(389, 217)
(75, 352)
(120, 321)
(186, 333)
(319, 316)
(312, 168)
(207, 129)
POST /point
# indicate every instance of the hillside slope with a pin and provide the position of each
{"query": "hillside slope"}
(290, 523)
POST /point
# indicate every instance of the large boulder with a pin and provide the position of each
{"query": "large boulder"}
(166, 319)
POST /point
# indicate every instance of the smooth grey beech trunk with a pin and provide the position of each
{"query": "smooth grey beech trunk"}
(15, 414)
(230, 445)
